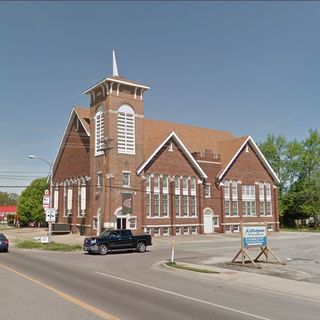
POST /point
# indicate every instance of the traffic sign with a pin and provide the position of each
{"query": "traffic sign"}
(51, 215)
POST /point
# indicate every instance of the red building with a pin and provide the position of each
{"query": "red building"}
(114, 168)
(6, 211)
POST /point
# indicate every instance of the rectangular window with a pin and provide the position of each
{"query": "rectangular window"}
(234, 189)
(69, 201)
(177, 184)
(268, 208)
(56, 199)
(177, 205)
(156, 232)
(156, 181)
(148, 181)
(262, 209)
(261, 191)
(156, 199)
(185, 230)
(227, 208)
(193, 183)
(185, 205)
(95, 223)
(99, 180)
(132, 223)
(126, 177)
(207, 191)
(148, 204)
(83, 200)
(235, 208)
(178, 231)
(193, 206)
(65, 211)
(147, 230)
(185, 182)
(165, 202)
(249, 208)
(270, 227)
(194, 230)
(236, 228)
(226, 185)
(165, 231)
(165, 182)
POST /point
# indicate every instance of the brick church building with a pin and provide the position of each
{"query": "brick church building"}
(116, 169)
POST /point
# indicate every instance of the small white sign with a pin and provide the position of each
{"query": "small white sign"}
(44, 239)
(51, 215)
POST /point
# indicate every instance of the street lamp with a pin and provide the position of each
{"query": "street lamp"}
(49, 179)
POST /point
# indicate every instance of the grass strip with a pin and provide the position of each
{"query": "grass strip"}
(52, 246)
(300, 230)
(184, 267)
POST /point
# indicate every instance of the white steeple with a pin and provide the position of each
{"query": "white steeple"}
(114, 65)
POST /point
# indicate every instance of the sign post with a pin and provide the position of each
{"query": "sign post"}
(50, 212)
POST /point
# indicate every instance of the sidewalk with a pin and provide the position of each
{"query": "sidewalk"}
(299, 289)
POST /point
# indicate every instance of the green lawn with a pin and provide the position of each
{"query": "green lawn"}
(300, 229)
(52, 246)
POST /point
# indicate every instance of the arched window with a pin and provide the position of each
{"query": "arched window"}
(226, 184)
(234, 189)
(148, 181)
(126, 130)
(99, 131)
(193, 183)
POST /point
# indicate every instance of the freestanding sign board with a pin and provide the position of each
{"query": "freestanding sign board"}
(254, 236)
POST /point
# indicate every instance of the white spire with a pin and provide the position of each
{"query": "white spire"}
(114, 65)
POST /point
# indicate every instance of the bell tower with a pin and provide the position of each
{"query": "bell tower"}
(116, 141)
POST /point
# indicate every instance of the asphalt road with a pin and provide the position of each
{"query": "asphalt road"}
(51, 285)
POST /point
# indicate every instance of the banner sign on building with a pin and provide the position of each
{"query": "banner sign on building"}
(254, 236)
(126, 203)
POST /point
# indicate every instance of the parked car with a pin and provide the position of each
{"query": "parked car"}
(4, 243)
(110, 240)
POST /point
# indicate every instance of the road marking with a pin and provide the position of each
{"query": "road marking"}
(183, 296)
(65, 296)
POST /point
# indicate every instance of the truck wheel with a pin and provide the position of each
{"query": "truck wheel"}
(141, 247)
(103, 249)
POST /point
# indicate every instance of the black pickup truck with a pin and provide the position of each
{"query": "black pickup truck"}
(110, 240)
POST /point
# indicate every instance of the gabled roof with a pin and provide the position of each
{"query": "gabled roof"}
(195, 139)
(183, 148)
(83, 115)
(230, 149)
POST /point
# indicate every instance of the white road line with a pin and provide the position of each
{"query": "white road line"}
(183, 296)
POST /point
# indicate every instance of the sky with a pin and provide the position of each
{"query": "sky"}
(251, 68)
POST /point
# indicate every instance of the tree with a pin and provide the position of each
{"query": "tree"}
(283, 156)
(30, 202)
(298, 168)
(8, 199)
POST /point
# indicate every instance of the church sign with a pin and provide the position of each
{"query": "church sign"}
(254, 235)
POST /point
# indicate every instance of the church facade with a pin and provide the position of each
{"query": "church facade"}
(116, 169)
